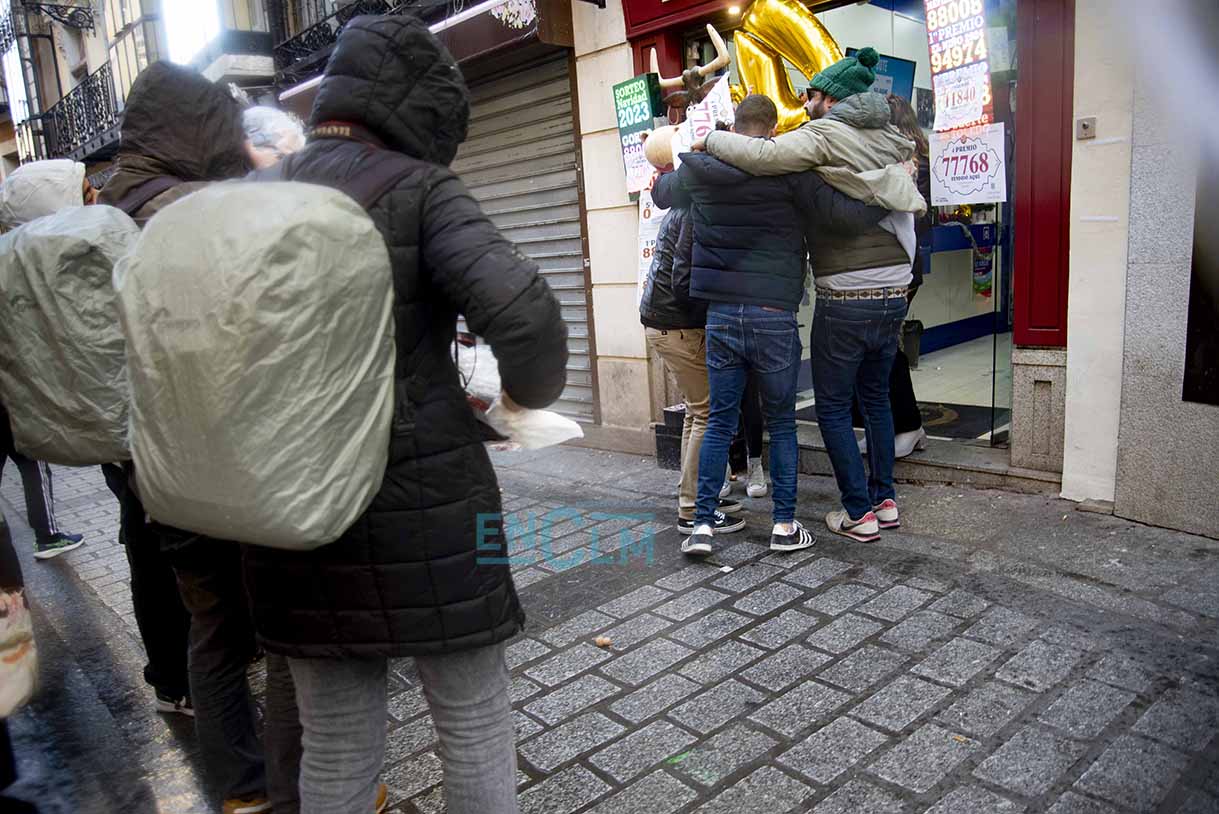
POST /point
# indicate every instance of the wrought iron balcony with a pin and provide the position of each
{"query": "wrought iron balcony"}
(310, 44)
(305, 31)
(84, 120)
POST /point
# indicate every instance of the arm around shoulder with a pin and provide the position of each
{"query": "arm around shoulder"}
(795, 151)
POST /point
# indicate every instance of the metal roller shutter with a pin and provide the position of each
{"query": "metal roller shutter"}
(519, 162)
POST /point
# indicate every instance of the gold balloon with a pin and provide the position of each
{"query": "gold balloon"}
(772, 30)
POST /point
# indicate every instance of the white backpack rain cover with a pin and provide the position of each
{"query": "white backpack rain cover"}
(260, 345)
(62, 362)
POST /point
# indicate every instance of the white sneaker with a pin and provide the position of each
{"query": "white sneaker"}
(908, 442)
(726, 489)
(864, 530)
(886, 515)
(757, 479)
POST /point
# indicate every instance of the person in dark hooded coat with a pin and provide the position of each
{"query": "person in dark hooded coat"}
(181, 132)
(423, 572)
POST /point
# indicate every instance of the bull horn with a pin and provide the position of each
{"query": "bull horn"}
(721, 54)
(664, 83)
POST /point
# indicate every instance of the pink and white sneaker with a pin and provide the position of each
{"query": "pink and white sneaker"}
(864, 530)
(886, 515)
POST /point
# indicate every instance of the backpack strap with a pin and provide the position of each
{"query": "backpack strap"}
(378, 177)
(139, 196)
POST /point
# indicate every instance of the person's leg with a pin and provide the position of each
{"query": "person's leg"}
(221, 647)
(872, 384)
(282, 738)
(684, 353)
(906, 415)
(753, 417)
(343, 707)
(838, 348)
(39, 498)
(773, 352)
(726, 372)
(163, 620)
(467, 693)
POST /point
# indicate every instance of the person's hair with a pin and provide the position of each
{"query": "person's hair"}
(756, 115)
(906, 120)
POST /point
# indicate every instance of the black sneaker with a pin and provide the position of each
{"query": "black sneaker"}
(799, 539)
(59, 544)
(730, 506)
(722, 524)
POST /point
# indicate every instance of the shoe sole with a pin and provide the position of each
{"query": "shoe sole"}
(892, 524)
(55, 552)
(732, 511)
(784, 547)
(859, 538)
(697, 550)
(755, 493)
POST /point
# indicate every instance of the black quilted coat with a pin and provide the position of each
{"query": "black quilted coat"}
(410, 578)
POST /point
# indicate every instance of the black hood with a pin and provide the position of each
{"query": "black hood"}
(189, 126)
(392, 76)
(709, 170)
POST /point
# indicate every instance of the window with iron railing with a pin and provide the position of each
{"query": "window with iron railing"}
(303, 29)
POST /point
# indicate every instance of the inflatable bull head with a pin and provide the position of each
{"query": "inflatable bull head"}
(694, 83)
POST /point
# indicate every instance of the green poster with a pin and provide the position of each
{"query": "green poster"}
(636, 102)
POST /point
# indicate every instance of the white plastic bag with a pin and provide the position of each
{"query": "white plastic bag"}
(531, 429)
(480, 373)
(523, 429)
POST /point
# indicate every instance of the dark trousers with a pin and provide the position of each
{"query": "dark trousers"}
(906, 415)
(221, 648)
(159, 613)
(751, 417)
(36, 479)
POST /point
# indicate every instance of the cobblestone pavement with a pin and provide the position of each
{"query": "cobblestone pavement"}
(1002, 653)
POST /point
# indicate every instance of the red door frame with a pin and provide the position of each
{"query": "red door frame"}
(1045, 45)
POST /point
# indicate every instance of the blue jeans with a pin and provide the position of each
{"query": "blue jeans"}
(853, 346)
(742, 339)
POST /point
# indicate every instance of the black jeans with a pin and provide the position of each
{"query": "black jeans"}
(35, 479)
(159, 613)
(221, 648)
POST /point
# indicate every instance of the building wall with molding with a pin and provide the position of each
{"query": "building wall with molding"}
(603, 58)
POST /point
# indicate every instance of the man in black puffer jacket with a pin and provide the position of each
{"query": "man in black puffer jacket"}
(423, 572)
(750, 239)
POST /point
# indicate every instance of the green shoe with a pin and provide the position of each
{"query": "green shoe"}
(59, 544)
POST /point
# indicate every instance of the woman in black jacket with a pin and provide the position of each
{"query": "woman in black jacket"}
(423, 572)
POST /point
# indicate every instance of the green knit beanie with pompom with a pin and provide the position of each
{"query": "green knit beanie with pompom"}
(849, 76)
